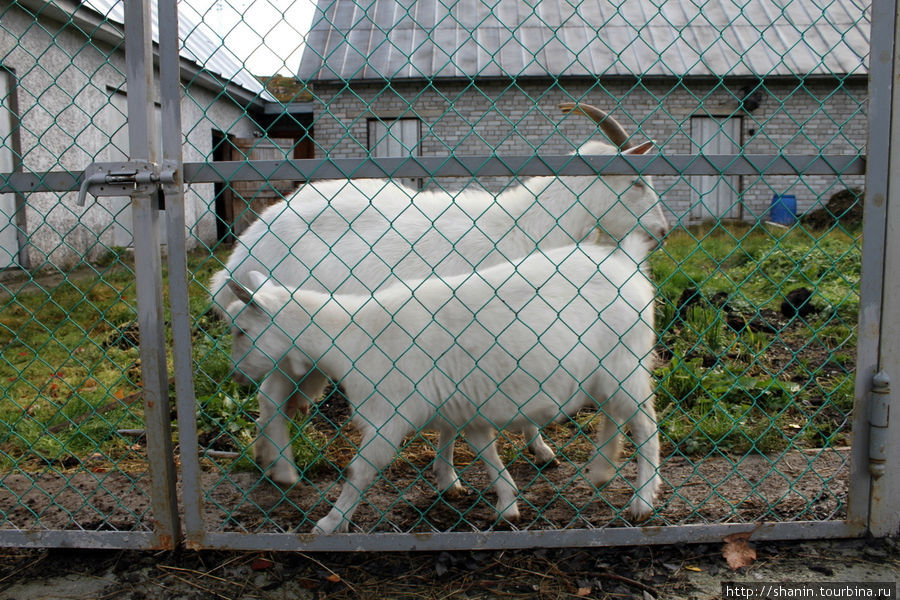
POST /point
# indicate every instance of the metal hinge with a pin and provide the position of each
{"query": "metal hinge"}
(123, 178)
(879, 417)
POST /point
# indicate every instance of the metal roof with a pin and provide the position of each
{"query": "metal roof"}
(200, 44)
(391, 39)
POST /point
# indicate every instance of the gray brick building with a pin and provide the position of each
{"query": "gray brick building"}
(759, 78)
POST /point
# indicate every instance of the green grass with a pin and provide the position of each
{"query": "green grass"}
(65, 355)
(54, 366)
(759, 263)
(742, 390)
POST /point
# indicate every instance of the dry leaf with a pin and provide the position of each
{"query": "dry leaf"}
(261, 564)
(737, 551)
(334, 578)
(583, 591)
(693, 568)
(90, 384)
(308, 584)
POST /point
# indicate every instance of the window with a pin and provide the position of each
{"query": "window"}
(396, 138)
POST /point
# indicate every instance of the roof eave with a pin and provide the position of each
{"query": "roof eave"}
(860, 75)
(65, 11)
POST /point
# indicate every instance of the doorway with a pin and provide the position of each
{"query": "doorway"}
(712, 196)
(9, 219)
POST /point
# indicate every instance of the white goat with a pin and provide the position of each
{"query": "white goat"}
(506, 346)
(362, 235)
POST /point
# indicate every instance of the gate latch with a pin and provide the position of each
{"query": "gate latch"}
(122, 179)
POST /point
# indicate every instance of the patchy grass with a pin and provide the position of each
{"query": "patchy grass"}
(737, 375)
(57, 364)
(70, 367)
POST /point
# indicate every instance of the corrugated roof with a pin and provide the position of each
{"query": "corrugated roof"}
(390, 39)
(200, 45)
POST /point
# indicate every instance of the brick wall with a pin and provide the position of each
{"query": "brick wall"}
(793, 116)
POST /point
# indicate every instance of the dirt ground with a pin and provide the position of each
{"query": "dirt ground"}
(805, 486)
(810, 486)
(799, 486)
(672, 572)
(795, 485)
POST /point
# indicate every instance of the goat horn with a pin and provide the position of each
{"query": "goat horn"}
(613, 130)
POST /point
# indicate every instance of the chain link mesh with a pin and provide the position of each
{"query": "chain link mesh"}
(756, 288)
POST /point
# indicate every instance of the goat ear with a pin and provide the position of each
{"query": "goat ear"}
(641, 148)
(243, 294)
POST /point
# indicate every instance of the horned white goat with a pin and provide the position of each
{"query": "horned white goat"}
(359, 236)
(506, 346)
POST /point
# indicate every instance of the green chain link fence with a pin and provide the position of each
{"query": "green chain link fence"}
(756, 289)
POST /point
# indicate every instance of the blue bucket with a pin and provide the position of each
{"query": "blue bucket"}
(783, 209)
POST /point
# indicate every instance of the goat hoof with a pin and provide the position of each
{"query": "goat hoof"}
(454, 492)
(600, 475)
(544, 456)
(510, 520)
(510, 514)
(640, 510)
(284, 479)
(327, 525)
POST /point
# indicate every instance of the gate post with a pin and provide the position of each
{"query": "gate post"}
(179, 306)
(884, 510)
(145, 214)
(871, 489)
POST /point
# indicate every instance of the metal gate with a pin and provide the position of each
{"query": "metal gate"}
(755, 411)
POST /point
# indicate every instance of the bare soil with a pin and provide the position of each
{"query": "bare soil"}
(844, 208)
(802, 487)
(795, 485)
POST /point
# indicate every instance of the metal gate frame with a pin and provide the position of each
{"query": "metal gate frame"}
(874, 477)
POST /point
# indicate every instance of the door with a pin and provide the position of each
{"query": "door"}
(714, 197)
(9, 233)
(250, 198)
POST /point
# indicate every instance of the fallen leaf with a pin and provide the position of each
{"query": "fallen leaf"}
(583, 591)
(693, 568)
(334, 578)
(261, 564)
(737, 551)
(90, 384)
(440, 569)
(307, 584)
